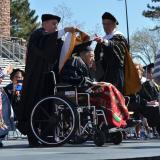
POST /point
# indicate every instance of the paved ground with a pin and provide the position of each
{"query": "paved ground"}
(18, 150)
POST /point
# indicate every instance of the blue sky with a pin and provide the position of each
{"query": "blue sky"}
(89, 12)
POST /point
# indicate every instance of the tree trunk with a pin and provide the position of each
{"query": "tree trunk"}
(5, 18)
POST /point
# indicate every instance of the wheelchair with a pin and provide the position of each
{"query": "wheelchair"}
(61, 118)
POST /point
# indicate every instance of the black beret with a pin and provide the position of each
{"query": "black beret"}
(83, 47)
(46, 17)
(149, 66)
(108, 15)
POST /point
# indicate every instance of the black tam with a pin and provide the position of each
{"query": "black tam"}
(148, 67)
(108, 15)
(46, 17)
(83, 47)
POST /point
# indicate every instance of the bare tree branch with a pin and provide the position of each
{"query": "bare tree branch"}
(67, 16)
(144, 45)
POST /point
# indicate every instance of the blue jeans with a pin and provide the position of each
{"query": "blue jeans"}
(6, 113)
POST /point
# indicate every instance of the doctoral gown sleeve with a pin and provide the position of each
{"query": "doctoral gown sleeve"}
(118, 45)
(97, 52)
(44, 44)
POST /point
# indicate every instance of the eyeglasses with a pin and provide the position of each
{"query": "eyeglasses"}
(55, 24)
(108, 24)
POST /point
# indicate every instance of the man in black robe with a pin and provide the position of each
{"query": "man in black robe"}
(110, 51)
(150, 90)
(42, 57)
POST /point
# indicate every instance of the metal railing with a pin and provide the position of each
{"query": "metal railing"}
(13, 48)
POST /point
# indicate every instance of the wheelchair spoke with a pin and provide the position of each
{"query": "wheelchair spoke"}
(39, 120)
(45, 112)
(46, 129)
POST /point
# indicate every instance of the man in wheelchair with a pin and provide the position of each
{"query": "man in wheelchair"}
(77, 71)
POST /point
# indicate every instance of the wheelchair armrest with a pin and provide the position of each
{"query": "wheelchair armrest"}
(63, 86)
(66, 90)
(88, 97)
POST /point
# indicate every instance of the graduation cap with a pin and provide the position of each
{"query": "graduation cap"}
(83, 47)
(108, 15)
(46, 17)
(148, 67)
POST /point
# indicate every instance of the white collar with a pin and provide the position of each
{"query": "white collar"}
(109, 36)
(143, 79)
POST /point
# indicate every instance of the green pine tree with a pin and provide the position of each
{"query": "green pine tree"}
(153, 12)
(23, 19)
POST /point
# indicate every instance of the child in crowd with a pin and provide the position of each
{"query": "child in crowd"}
(13, 90)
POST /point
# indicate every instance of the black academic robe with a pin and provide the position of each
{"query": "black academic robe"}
(149, 91)
(42, 56)
(75, 72)
(111, 58)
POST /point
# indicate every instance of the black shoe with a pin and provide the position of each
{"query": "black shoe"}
(32, 140)
(1, 144)
(34, 144)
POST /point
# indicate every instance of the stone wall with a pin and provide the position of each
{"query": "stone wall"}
(5, 18)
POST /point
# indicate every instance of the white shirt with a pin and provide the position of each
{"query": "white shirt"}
(109, 36)
(61, 33)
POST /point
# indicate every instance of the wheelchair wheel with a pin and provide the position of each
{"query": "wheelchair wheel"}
(54, 120)
(99, 138)
(117, 137)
